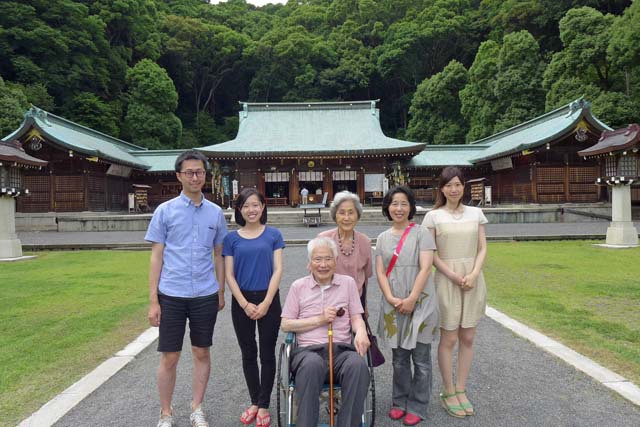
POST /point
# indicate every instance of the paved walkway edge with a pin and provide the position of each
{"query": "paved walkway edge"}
(604, 376)
(57, 407)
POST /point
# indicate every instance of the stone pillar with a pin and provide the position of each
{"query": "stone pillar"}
(10, 246)
(621, 232)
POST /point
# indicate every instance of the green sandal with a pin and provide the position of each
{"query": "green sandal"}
(452, 410)
(466, 406)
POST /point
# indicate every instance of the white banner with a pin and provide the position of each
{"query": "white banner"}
(373, 182)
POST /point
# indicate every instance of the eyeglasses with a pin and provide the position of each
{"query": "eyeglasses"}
(189, 173)
(320, 260)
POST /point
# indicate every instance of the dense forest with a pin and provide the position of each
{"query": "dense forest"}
(170, 73)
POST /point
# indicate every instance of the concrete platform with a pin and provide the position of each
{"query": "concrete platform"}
(119, 221)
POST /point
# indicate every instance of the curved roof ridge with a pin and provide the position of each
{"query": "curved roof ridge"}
(72, 136)
(520, 126)
(309, 104)
(34, 110)
(538, 131)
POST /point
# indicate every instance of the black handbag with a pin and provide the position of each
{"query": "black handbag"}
(377, 358)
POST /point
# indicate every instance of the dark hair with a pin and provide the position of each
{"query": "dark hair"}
(245, 193)
(447, 175)
(191, 155)
(386, 201)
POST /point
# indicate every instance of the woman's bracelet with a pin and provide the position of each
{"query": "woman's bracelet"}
(246, 305)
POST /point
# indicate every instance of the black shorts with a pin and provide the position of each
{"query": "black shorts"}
(201, 312)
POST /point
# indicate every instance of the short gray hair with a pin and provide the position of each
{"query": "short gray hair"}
(321, 242)
(344, 196)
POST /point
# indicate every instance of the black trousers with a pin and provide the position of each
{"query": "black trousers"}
(259, 383)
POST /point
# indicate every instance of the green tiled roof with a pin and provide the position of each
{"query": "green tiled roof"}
(537, 132)
(534, 133)
(158, 160)
(446, 155)
(72, 136)
(349, 129)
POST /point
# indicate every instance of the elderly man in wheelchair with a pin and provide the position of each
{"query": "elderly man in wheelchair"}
(315, 304)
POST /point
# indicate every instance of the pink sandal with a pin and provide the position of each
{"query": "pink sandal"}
(247, 417)
(263, 421)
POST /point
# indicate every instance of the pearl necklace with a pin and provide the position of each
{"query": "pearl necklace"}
(353, 245)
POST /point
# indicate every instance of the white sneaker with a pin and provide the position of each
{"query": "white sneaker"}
(197, 418)
(165, 421)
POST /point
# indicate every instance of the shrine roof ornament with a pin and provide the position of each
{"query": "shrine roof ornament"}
(12, 152)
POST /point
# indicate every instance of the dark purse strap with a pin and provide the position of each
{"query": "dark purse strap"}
(396, 253)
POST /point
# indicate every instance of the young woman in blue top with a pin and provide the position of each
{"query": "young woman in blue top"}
(253, 268)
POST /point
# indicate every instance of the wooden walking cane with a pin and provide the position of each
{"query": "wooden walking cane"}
(339, 313)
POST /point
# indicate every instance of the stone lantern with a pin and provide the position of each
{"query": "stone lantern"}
(618, 154)
(13, 160)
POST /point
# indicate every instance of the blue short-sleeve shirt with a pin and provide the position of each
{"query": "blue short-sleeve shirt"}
(189, 234)
(253, 258)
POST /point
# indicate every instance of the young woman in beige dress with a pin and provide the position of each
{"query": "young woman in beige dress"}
(462, 247)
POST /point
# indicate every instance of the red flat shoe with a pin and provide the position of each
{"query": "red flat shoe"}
(247, 417)
(263, 421)
(411, 419)
(396, 413)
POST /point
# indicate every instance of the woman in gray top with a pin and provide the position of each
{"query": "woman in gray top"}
(409, 312)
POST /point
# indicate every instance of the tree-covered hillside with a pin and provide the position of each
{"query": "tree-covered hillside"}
(170, 73)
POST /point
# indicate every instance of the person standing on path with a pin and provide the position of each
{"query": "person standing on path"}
(354, 258)
(462, 247)
(304, 193)
(253, 267)
(186, 281)
(409, 309)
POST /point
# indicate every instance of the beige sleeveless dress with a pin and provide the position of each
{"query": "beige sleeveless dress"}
(457, 243)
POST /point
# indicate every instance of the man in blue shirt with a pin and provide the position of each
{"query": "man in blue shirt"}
(186, 235)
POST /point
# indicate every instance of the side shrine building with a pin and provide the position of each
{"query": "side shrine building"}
(325, 147)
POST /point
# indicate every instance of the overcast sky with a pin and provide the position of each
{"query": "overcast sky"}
(256, 2)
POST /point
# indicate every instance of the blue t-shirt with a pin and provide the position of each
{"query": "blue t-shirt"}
(253, 258)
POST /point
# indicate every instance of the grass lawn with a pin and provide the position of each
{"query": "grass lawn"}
(61, 315)
(585, 296)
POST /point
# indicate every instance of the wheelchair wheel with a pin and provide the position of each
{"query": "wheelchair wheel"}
(369, 416)
(281, 389)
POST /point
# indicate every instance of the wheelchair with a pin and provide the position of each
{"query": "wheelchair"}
(286, 399)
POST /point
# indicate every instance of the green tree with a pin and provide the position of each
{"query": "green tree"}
(13, 104)
(435, 109)
(200, 55)
(36, 95)
(149, 128)
(624, 47)
(479, 105)
(588, 65)
(130, 27)
(89, 110)
(288, 61)
(150, 120)
(518, 86)
(58, 43)
(423, 43)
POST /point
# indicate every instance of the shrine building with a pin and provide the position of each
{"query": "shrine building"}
(325, 147)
